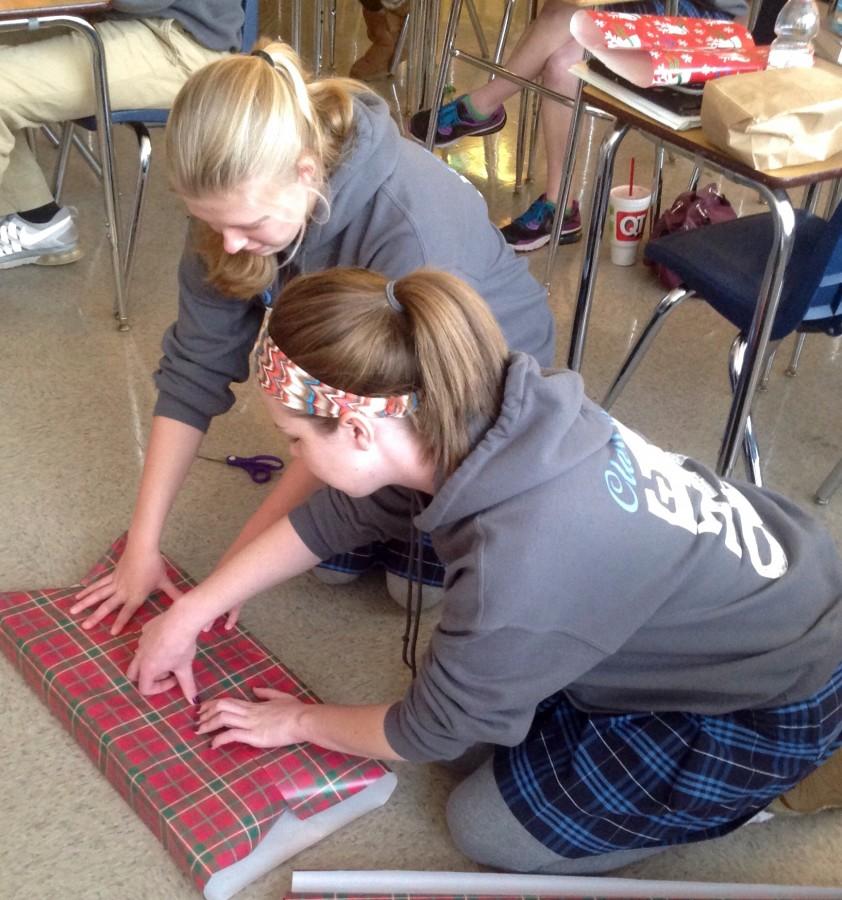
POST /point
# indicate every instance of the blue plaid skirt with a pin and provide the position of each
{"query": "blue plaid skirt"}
(590, 784)
(392, 556)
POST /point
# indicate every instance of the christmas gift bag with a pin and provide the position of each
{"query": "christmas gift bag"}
(226, 816)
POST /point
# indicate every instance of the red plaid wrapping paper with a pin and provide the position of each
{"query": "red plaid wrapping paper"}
(209, 808)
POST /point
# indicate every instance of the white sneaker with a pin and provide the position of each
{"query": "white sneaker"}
(396, 586)
(52, 243)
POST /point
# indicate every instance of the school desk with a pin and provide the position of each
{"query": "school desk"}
(773, 187)
(30, 15)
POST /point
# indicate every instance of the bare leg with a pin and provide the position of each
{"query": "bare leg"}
(555, 118)
(549, 31)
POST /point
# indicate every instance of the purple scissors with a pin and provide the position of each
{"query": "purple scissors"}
(259, 468)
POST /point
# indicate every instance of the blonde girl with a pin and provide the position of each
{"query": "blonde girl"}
(282, 175)
(618, 634)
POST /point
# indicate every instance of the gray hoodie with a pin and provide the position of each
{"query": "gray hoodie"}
(216, 24)
(394, 208)
(580, 557)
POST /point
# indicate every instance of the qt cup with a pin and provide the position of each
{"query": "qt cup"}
(627, 219)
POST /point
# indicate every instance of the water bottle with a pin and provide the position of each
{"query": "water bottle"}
(796, 26)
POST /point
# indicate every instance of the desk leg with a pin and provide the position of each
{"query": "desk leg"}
(441, 76)
(106, 155)
(566, 181)
(423, 38)
(599, 208)
(757, 339)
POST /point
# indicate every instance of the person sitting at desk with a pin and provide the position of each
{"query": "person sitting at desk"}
(151, 48)
(545, 52)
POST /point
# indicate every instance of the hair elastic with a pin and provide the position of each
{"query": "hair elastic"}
(264, 56)
(393, 300)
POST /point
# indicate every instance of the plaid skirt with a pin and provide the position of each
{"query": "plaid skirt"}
(590, 784)
(392, 556)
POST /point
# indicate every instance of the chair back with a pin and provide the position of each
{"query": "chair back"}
(823, 280)
(251, 24)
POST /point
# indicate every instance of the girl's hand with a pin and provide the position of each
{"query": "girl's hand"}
(136, 575)
(270, 723)
(165, 652)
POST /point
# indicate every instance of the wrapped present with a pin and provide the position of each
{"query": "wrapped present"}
(225, 815)
(653, 51)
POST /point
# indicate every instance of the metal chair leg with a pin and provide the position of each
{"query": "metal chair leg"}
(792, 369)
(751, 454)
(533, 138)
(636, 354)
(503, 36)
(526, 105)
(828, 487)
(767, 369)
(695, 177)
(657, 184)
(65, 143)
(477, 24)
(144, 145)
(399, 45)
(331, 36)
(444, 62)
(834, 196)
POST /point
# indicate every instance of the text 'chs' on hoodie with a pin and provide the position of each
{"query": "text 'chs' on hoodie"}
(581, 557)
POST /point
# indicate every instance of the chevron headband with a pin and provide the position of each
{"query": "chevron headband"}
(282, 379)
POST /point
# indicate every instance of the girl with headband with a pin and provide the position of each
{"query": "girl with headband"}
(284, 175)
(645, 653)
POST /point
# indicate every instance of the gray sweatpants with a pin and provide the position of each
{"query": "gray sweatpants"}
(484, 829)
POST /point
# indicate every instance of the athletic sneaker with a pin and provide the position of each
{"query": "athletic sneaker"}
(455, 122)
(52, 243)
(534, 228)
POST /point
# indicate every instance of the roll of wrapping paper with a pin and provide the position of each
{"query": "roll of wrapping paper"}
(209, 808)
(659, 51)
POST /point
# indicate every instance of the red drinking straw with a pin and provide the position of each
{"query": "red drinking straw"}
(631, 178)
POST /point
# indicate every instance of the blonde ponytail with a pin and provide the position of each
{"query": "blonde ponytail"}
(445, 345)
(240, 119)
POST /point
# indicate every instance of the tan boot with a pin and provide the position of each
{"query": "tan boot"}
(821, 790)
(383, 28)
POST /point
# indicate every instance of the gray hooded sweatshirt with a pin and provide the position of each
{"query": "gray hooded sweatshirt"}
(394, 208)
(580, 557)
(216, 24)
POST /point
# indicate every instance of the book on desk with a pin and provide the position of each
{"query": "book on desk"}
(650, 103)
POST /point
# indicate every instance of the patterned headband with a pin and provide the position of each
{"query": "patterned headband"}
(282, 379)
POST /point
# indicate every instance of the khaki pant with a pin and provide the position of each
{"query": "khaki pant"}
(51, 80)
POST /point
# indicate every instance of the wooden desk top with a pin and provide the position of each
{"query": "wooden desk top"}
(695, 141)
(12, 9)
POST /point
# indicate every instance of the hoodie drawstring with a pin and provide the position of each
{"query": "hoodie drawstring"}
(413, 597)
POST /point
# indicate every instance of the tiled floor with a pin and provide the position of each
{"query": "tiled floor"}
(76, 400)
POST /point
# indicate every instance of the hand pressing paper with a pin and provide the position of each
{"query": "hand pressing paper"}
(226, 816)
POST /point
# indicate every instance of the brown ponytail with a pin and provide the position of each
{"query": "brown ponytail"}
(339, 326)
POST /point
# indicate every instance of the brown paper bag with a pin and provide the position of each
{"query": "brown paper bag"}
(775, 118)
